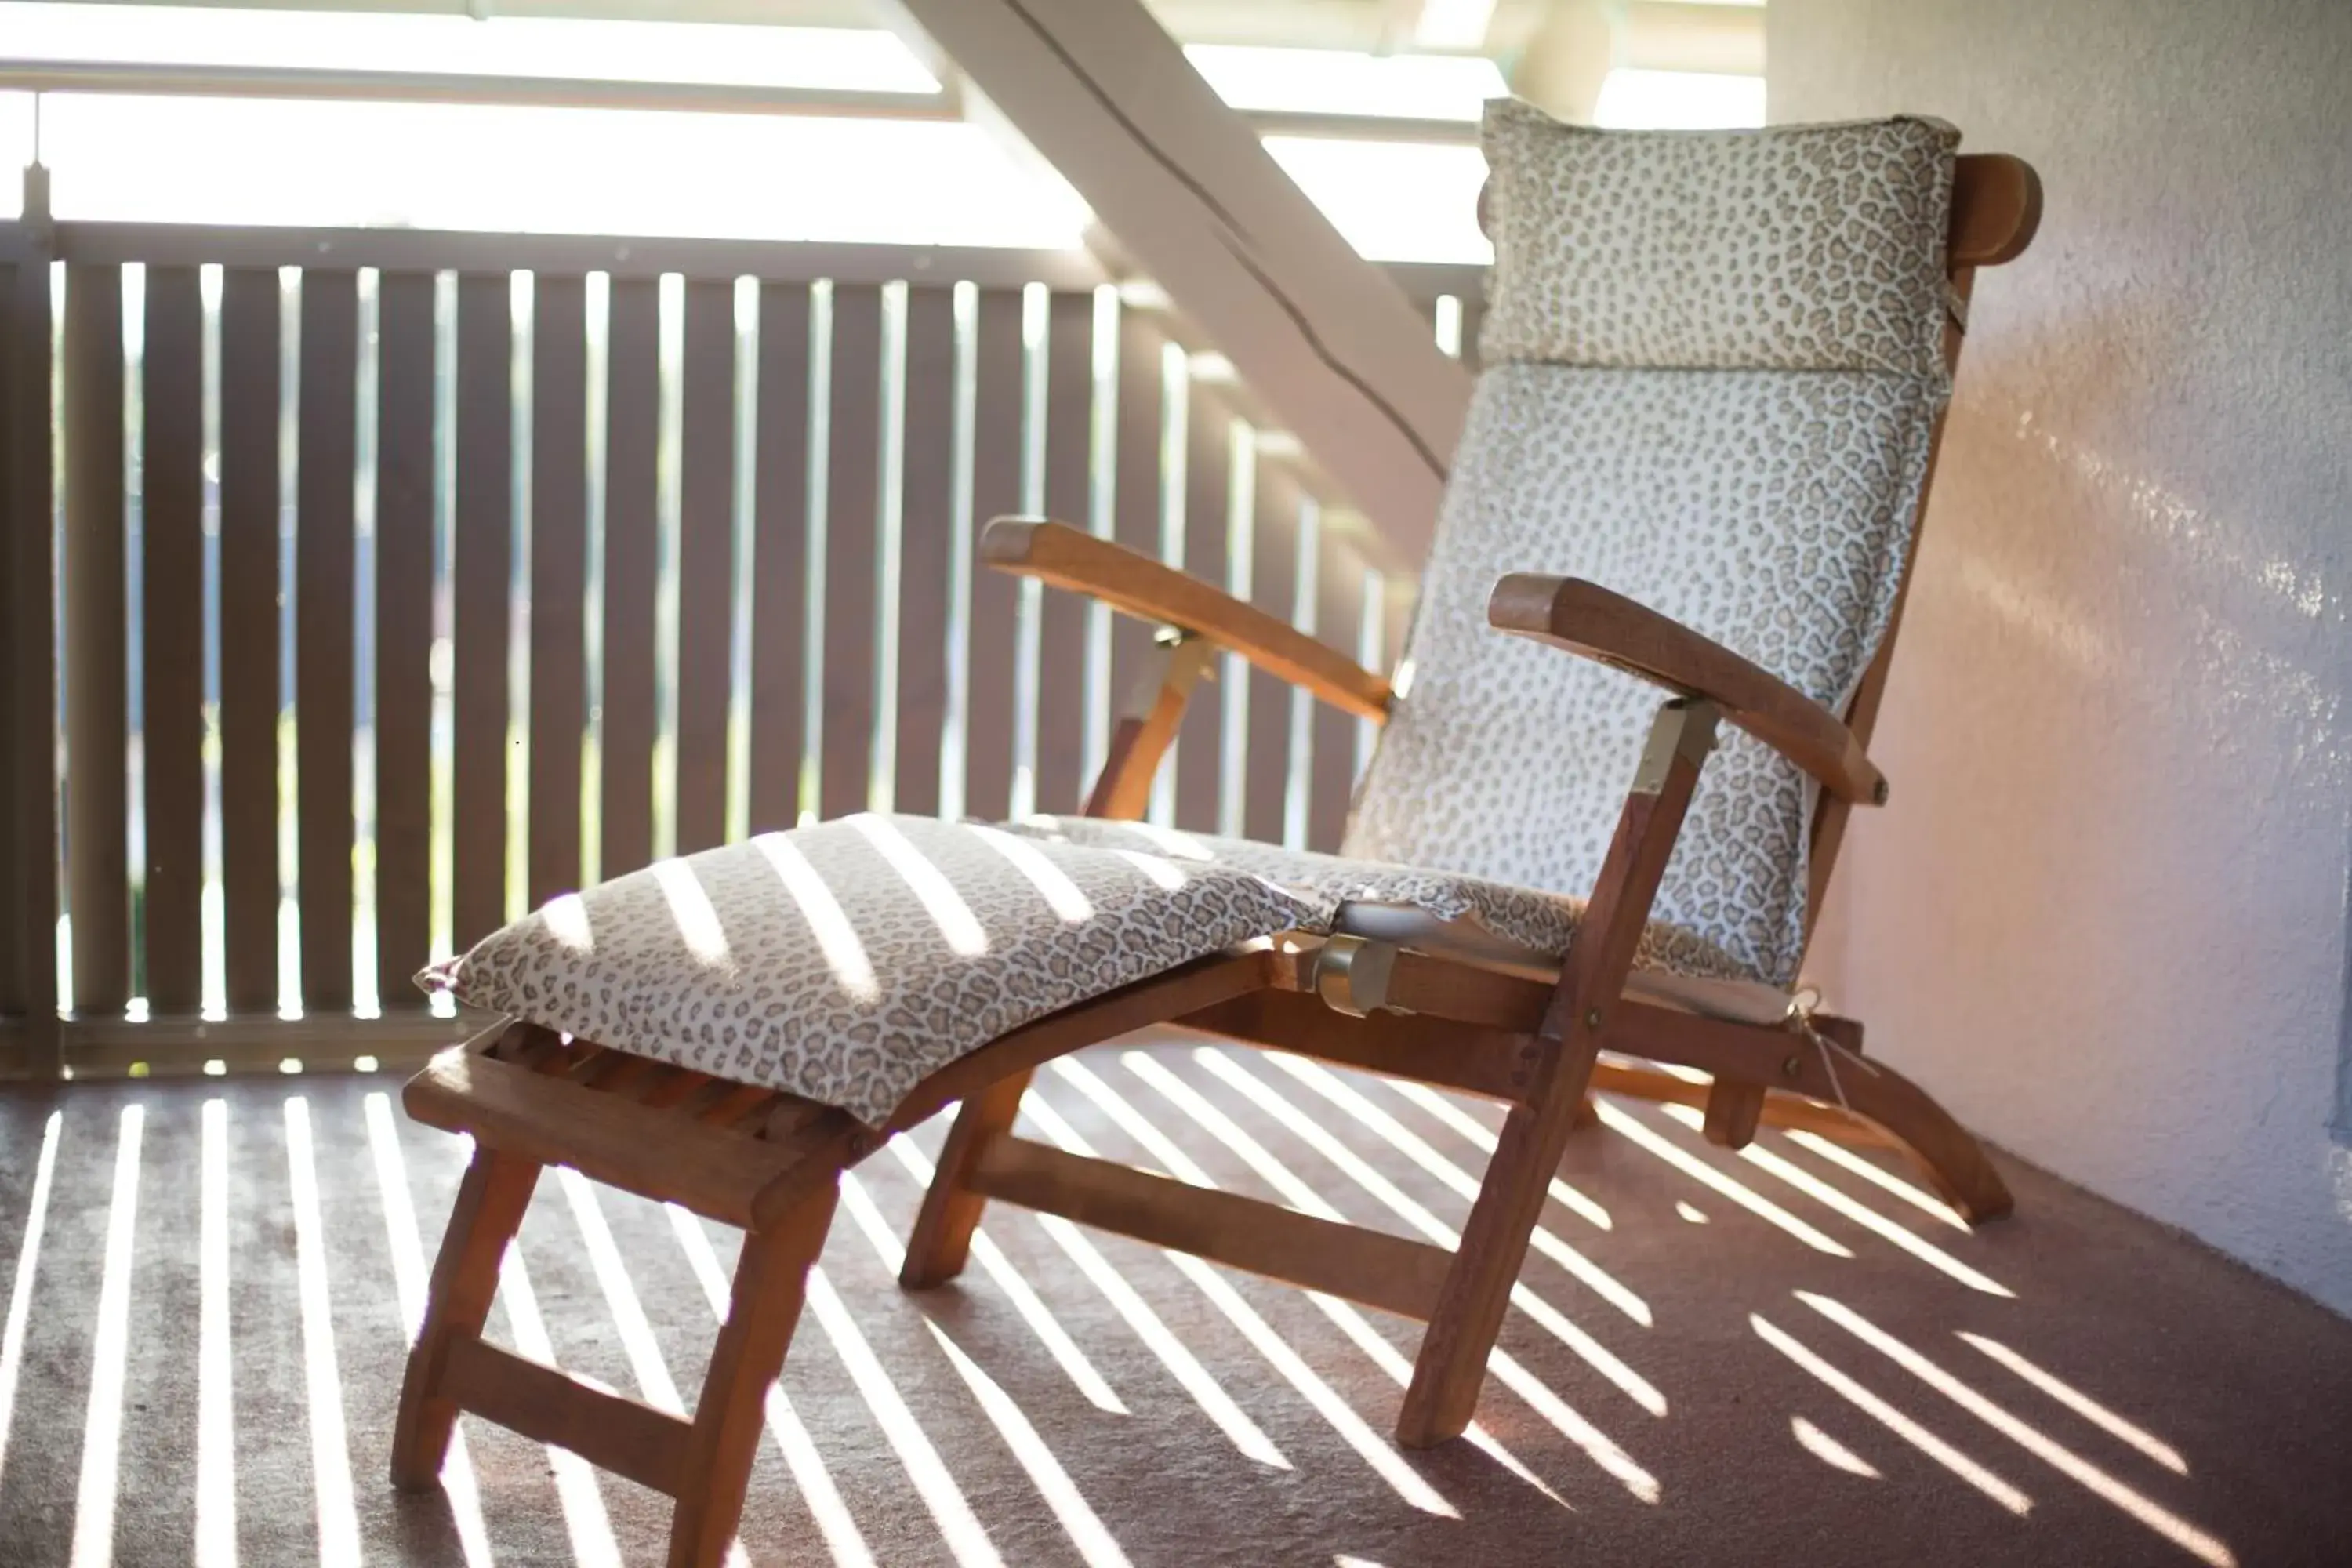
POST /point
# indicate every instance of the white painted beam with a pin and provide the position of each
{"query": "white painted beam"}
(1452, 24)
(1325, 339)
(1561, 67)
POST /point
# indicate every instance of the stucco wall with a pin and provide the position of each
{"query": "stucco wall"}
(2106, 913)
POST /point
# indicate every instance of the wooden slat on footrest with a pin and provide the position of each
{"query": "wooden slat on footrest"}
(615, 1434)
(1390, 1272)
(657, 1153)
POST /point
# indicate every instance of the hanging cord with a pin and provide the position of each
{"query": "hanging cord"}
(1802, 1004)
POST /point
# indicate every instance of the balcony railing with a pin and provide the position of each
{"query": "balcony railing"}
(364, 588)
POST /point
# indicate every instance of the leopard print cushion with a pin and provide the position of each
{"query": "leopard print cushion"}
(1542, 922)
(848, 960)
(1769, 512)
(1798, 247)
(1714, 372)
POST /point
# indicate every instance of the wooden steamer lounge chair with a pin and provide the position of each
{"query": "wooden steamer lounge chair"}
(1715, 369)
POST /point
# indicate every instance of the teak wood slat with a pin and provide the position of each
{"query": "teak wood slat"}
(324, 550)
(992, 652)
(248, 621)
(1339, 613)
(705, 561)
(559, 582)
(97, 852)
(1207, 500)
(481, 570)
(1273, 582)
(780, 545)
(929, 555)
(403, 633)
(852, 476)
(1390, 1272)
(22, 913)
(632, 560)
(28, 628)
(1135, 490)
(172, 592)
(1060, 618)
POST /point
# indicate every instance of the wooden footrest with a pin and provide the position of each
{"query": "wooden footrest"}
(732, 1152)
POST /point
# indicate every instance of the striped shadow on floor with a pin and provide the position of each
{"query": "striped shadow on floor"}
(1785, 1355)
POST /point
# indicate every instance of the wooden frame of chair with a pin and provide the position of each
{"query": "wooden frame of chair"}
(769, 1162)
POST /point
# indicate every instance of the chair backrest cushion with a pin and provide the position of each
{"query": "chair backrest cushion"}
(1713, 367)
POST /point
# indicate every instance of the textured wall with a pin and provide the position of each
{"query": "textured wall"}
(2105, 914)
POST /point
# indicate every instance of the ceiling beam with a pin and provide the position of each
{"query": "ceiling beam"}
(1324, 338)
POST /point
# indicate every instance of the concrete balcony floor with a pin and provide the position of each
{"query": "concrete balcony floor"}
(1781, 1357)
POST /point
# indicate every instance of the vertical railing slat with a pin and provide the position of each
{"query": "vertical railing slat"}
(172, 529)
(929, 446)
(323, 553)
(630, 550)
(481, 571)
(1200, 742)
(1273, 577)
(1062, 640)
(1338, 619)
(706, 564)
(404, 634)
(29, 880)
(995, 597)
(1136, 507)
(96, 685)
(249, 690)
(779, 555)
(852, 468)
(558, 581)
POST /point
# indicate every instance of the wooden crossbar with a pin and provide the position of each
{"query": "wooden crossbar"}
(1490, 1063)
(1391, 1272)
(1777, 1110)
(615, 1433)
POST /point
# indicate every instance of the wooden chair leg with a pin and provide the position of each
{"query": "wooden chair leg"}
(1733, 1110)
(1452, 1366)
(762, 1312)
(491, 1203)
(950, 1212)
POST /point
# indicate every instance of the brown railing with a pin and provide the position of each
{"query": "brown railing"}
(363, 588)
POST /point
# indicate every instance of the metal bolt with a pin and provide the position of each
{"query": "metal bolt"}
(1592, 1018)
(1790, 1067)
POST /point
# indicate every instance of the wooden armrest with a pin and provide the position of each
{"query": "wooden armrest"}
(1125, 580)
(1588, 619)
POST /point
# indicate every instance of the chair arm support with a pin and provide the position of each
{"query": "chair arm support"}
(1127, 580)
(1588, 619)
